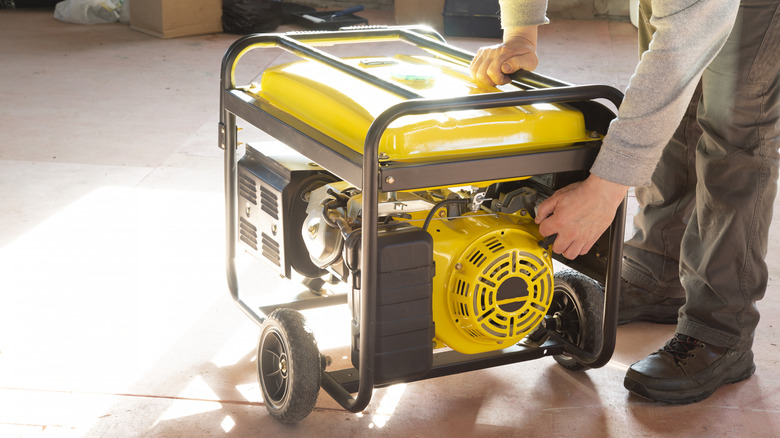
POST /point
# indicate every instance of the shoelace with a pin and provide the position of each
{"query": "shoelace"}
(680, 347)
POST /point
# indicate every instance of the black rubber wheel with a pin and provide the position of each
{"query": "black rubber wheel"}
(289, 366)
(577, 306)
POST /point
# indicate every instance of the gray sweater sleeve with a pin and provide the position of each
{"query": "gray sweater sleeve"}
(519, 13)
(689, 33)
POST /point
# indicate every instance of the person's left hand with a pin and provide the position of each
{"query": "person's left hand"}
(579, 213)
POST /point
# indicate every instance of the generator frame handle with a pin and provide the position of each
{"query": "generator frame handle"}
(422, 37)
(538, 89)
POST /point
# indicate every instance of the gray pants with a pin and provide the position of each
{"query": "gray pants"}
(703, 224)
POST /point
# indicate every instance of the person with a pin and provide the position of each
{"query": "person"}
(697, 135)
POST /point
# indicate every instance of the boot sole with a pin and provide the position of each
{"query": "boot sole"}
(693, 395)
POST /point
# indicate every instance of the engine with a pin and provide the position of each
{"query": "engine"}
(493, 281)
(462, 268)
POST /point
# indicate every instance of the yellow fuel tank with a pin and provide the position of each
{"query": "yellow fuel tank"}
(344, 107)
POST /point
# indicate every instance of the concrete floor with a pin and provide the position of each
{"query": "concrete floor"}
(115, 320)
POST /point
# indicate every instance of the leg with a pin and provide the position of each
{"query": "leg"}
(651, 289)
(724, 246)
(651, 256)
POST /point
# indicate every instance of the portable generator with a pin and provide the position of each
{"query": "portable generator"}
(416, 186)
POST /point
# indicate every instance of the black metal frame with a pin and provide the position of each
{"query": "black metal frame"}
(364, 171)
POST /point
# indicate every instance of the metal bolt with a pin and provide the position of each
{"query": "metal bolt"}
(458, 266)
(383, 156)
(390, 180)
(558, 321)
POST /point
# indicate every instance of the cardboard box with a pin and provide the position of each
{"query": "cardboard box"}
(176, 18)
(420, 12)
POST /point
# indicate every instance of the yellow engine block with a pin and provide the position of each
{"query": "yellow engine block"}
(493, 284)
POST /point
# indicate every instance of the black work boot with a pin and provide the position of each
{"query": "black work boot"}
(687, 370)
(638, 304)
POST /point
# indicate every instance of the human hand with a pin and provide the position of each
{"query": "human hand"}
(492, 64)
(579, 213)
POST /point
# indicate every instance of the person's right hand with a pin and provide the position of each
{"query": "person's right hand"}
(579, 213)
(518, 51)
